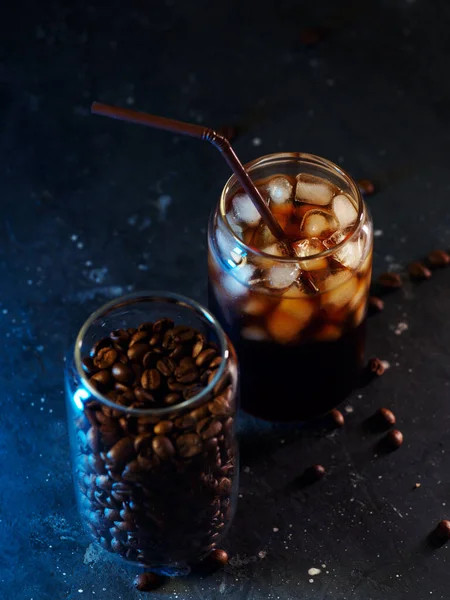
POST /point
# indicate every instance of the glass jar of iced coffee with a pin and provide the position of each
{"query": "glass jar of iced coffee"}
(151, 401)
(295, 312)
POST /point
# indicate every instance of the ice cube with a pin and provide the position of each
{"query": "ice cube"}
(328, 333)
(341, 288)
(256, 305)
(254, 333)
(351, 253)
(234, 282)
(313, 190)
(290, 317)
(244, 210)
(317, 223)
(296, 290)
(262, 237)
(309, 248)
(229, 249)
(282, 275)
(275, 250)
(280, 190)
(344, 211)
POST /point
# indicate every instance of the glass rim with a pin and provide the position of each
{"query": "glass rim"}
(319, 161)
(152, 296)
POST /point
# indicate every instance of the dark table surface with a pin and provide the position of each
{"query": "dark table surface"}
(92, 208)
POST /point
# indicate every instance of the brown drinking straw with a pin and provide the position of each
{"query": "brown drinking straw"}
(202, 133)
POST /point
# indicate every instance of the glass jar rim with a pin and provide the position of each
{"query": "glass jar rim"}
(152, 296)
(298, 156)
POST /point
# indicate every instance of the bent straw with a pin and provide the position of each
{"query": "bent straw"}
(202, 133)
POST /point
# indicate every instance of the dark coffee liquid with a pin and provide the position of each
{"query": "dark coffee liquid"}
(294, 382)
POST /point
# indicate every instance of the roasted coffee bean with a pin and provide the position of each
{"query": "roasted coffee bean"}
(390, 281)
(199, 345)
(174, 386)
(120, 337)
(151, 379)
(163, 427)
(132, 471)
(125, 390)
(137, 370)
(162, 325)
(199, 413)
(155, 340)
(376, 367)
(173, 398)
(166, 366)
(137, 352)
(209, 428)
(205, 357)
(191, 391)
(314, 473)
(101, 497)
(111, 514)
(394, 439)
(186, 374)
(131, 330)
(101, 380)
(96, 464)
(438, 258)
(116, 546)
(103, 482)
(138, 338)
(145, 463)
(150, 359)
(88, 365)
(376, 305)
(143, 442)
(126, 525)
(219, 556)
(225, 486)
(143, 395)
(178, 352)
(146, 326)
(105, 358)
(189, 445)
(186, 422)
(418, 270)
(337, 418)
(183, 333)
(366, 187)
(220, 405)
(163, 447)
(99, 345)
(121, 452)
(443, 530)
(122, 373)
(385, 417)
(147, 582)
(215, 362)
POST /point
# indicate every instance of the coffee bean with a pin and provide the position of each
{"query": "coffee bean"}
(137, 352)
(376, 367)
(186, 422)
(199, 413)
(116, 546)
(174, 386)
(394, 439)
(219, 556)
(143, 395)
(143, 442)
(105, 358)
(337, 417)
(103, 482)
(209, 428)
(376, 305)
(146, 326)
(101, 380)
(151, 379)
(125, 390)
(191, 391)
(443, 530)
(183, 333)
(147, 582)
(145, 463)
(163, 427)
(418, 270)
(138, 338)
(88, 365)
(166, 366)
(155, 340)
(225, 486)
(385, 417)
(189, 445)
(220, 405)
(163, 447)
(150, 359)
(314, 473)
(172, 398)
(205, 357)
(366, 187)
(131, 330)
(215, 362)
(122, 373)
(120, 337)
(438, 258)
(199, 345)
(99, 345)
(162, 325)
(96, 464)
(121, 452)
(132, 471)
(390, 281)
(111, 514)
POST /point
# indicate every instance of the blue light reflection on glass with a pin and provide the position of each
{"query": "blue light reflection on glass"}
(78, 397)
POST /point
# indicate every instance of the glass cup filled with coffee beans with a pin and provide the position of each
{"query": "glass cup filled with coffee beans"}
(151, 390)
(295, 310)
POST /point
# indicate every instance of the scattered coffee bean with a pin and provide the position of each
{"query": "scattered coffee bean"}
(438, 258)
(146, 582)
(337, 417)
(394, 439)
(376, 367)
(417, 486)
(443, 530)
(366, 187)
(219, 557)
(418, 270)
(314, 473)
(376, 304)
(390, 281)
(385, 417)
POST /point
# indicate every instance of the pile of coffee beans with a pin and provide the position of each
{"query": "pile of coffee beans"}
(157, 490)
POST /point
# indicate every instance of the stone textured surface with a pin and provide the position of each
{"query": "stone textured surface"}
(91, 209)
